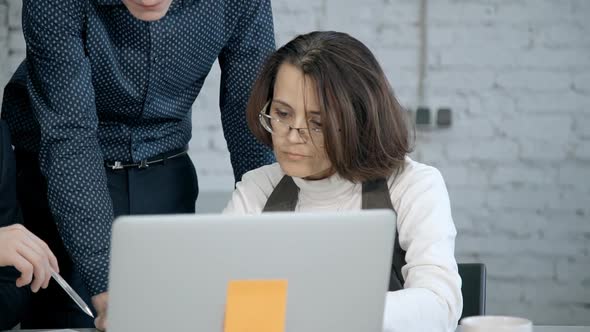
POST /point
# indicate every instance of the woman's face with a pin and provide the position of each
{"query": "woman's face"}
(300, 153)
(148, 10)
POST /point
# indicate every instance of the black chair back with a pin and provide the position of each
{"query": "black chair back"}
(473, 289)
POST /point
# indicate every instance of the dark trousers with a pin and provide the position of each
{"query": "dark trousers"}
(168, 187)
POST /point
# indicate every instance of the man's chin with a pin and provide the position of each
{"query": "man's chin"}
(148, 15)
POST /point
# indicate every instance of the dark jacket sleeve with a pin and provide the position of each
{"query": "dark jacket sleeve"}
(12, 299)
(8, 203)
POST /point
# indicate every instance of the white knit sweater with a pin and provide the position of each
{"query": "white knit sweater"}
(431, 299)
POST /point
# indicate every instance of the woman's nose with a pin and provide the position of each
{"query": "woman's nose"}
(293, 136)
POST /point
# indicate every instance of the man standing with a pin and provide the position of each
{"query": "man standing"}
(100, 116)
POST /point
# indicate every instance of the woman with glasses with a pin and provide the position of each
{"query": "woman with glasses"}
(324, 105)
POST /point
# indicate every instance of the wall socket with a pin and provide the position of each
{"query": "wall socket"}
(425, 118)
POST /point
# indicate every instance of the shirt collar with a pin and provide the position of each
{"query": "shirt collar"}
(120, 2)
(109, 2)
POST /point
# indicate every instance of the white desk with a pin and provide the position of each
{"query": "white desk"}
(556, 329)
(535, 329)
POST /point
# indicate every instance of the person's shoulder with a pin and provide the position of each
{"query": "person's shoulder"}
(417, 192)
(415, 174)
(253, 191)
(265, 178)
(242, 8)
(413, 169)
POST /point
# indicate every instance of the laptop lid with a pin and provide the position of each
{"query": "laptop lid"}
(171, 272)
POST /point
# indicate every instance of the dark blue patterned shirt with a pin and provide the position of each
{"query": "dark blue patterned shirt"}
(98, 84)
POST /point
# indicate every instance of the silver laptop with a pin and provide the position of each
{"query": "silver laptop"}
(170, 273)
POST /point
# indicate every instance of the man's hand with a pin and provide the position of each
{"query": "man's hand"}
(100, 302)
(28, 254)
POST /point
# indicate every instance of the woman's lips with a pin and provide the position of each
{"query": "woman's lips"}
(295, 156)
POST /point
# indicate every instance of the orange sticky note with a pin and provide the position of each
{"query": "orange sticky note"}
(256, 306)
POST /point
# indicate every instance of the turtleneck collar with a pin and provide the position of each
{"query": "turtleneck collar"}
(330, 191)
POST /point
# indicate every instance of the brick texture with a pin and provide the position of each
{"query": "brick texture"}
(516, 159)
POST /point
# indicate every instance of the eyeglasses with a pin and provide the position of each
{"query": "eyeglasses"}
(280, 123)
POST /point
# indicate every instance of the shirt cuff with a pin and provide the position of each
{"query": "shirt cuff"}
(95, 273)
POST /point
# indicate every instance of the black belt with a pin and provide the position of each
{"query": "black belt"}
(116, 165)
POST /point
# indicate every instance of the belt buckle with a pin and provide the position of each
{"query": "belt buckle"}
(143, 164)
(117, 165)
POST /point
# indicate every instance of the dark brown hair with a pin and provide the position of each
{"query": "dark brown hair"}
(365, 130)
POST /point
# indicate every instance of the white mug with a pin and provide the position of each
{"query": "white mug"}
(496, 324)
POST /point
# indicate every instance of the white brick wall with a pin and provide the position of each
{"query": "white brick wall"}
(516, 160)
